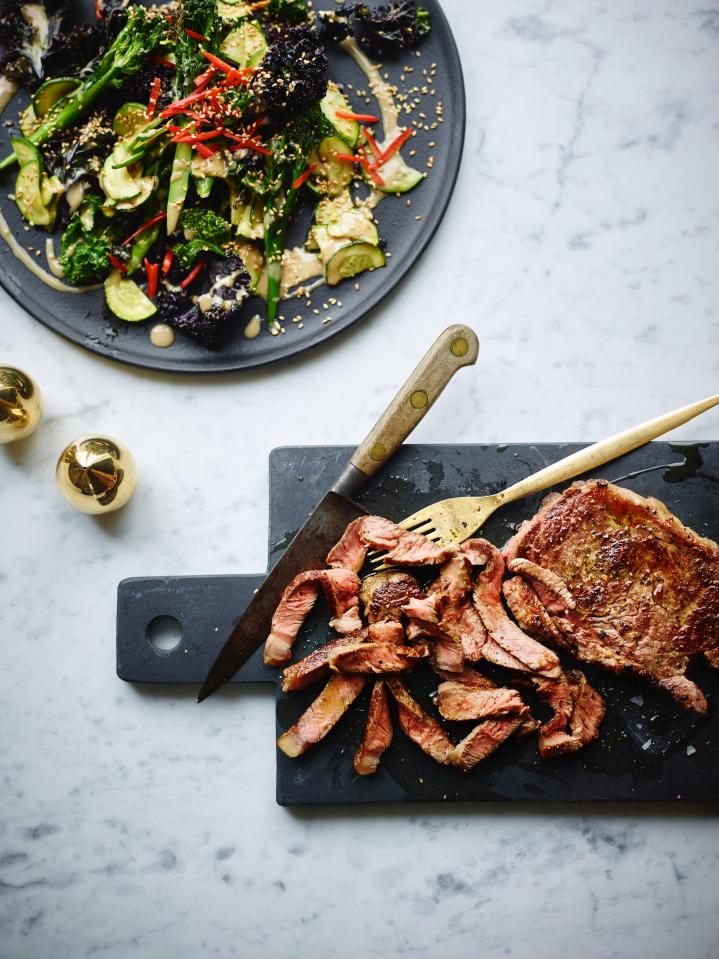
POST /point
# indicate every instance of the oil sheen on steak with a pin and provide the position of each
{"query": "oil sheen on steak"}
(645, 587)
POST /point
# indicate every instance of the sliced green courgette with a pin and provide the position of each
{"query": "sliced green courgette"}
(245, 45)
(250, 220)
(335, 101)
(130, 120)
(203, 185)
(230, 10)
(28, 195)
(398, 177)
(354, 225)
(330, 207)
(29, 121)
(48, 93)
(353, 259)
(25, 151)
(146, 187)
(331, 175)
(117, 181)
(126, 299)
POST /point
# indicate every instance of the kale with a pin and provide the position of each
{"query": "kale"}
(84, 253)
(292, 76)
(287, 11)
(210, 231)
(382, 30)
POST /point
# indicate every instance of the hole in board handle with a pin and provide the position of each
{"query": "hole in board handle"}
(164, 633)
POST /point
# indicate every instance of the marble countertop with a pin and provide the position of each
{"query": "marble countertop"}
(582, 245)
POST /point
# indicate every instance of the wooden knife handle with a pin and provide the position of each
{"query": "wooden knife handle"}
(456, 347)
(600, 453)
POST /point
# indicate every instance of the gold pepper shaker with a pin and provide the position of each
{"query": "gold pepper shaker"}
(20, 405)
(96, 474)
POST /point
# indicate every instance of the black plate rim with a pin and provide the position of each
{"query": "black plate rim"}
(214, 364)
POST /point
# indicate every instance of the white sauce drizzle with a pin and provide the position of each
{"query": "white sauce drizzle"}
(36, 16)
(253, 327)
(380, 89)
(74, 195)
(38, 271)
(162, 335)
(52, 261)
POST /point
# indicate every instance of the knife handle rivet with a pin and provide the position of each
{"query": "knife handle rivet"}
(378, 452)
(458, 346)
(419, 399)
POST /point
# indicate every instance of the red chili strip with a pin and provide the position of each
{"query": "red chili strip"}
(304, 176)
(158, 218)
(259, 5)
(359, 117)
(196, 36)
(167, 261)
(349, 158)
(372, 144)
(394, 146)
(204, 78)
(204, 150)
(216, 62)
(179, 105)
(155, 91)
(243, 143)
(98, 9)
(192, 275)
(118, 264)
(189, 137)
(153, 271)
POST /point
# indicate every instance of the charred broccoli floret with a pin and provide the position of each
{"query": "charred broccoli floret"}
(292, 75)
(382, 30)
(84, 253)
(211, 325)
(209, 230)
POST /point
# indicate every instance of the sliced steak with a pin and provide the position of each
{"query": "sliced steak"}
(645, 588)
(587, 714)
(389, 632)
(452, 594)
(324, 713)
(313, 667)
(457, 701)
(521, 649)
(341, 588)
(483, 740)
(375, 532)
(446, 649)
(418, 725)
(377, 735)
(377, 658)
(384, 594)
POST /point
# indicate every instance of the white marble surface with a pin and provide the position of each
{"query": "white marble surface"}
(582, 245)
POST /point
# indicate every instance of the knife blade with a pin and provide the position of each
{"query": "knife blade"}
(454, 348)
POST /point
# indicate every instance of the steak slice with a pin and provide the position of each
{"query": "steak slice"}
(321, 715)
(377, 658)
(313, 667)
(377, 735)
(483, 740)
(384, 594)
(456, 701)
(509, 646)
(645, 588)
(419, 726)
(375, 532)
(341, 588)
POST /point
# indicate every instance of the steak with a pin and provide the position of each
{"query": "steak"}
(377, 658)
(321, 715)
(458, 702)
(384, 594)
(375, 532)
(643, 588)
(377, 735)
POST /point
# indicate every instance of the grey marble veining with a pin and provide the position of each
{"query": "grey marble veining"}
(582, 245)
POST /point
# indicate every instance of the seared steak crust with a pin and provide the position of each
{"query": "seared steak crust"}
(644, 586)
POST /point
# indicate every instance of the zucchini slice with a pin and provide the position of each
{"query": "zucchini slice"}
(146, 187)
(245, 45)
(25, 151)
(332, 176)
(116, 181)
(352, 259)
(50, 92)
(335, 101)
(232, 9)
(126, 299)
(29, 196)
(130, 120)
(397, 175)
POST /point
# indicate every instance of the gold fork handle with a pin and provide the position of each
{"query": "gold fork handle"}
(604, 451)
(456, 347)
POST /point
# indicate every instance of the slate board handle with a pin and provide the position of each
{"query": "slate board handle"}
(455, 347)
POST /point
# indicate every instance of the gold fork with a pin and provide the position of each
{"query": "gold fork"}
(454, 520)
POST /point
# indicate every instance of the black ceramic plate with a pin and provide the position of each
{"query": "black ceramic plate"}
(84, 319)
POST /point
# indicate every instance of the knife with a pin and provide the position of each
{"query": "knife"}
(456, 347)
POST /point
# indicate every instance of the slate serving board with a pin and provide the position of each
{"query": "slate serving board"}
(649, 749)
